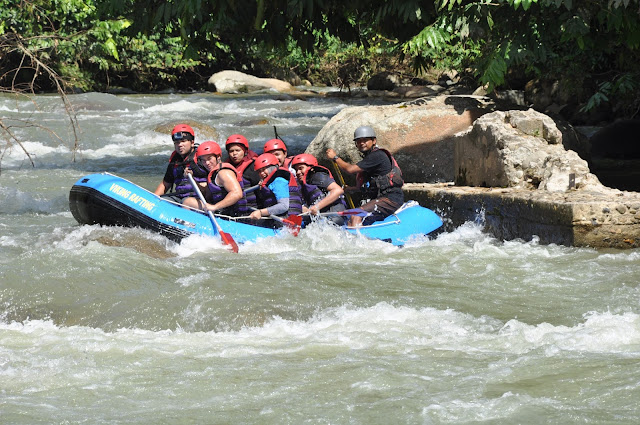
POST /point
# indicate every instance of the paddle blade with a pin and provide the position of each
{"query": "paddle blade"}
(227, 239)
(294, 222)
(355, 211)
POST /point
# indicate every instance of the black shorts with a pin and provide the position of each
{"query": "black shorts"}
(380, 208)
(172, 198)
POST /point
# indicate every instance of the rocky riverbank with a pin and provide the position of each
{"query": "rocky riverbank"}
(470, 157)
(517, 172)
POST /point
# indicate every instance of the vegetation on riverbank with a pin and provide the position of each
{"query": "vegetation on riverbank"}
(583, 53)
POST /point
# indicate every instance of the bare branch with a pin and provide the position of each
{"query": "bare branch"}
(12, 43)
(10, 136)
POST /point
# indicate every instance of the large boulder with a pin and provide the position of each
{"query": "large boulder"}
(418, 133)
(238, 82)
(385, 81)
(521, 149)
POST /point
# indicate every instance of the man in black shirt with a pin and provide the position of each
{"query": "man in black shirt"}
(378, 176)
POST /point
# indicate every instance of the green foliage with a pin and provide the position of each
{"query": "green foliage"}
(88, 51)
(579, 43)
(149, 44)
(621, 92)
(333, 61)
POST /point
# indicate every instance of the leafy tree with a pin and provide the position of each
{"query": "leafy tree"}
(591, 46)
(89, 51)
(62, 45)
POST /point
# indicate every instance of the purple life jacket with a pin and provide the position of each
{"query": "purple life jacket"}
(311, 194)
(218, 193)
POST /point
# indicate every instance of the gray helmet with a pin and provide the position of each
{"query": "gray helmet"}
(363, 131)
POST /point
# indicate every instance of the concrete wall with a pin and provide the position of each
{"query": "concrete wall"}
(572, 219)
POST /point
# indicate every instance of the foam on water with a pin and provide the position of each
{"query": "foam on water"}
(179, 106)
(468, 233)
(199, 244)
(5, 108)
(40, 152)
(507, 408)
(132, 327)
(122, 147)
(382, 326)
(234, 107)
(29, 202)
(600, 333)
(316, 238)
(8, 241)
(99, 241)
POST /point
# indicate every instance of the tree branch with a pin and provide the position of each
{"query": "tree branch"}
(12, 43)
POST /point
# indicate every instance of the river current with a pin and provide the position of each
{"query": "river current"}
(105, 325)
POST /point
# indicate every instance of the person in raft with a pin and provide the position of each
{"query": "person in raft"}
(318, 189)
(181, 159)
(278, 193)
(242, 158)
(222, 190)
(279, 149)
(377, 175)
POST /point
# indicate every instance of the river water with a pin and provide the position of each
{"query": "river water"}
(112, 325)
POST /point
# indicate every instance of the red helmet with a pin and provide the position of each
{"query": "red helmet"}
(180, 132)
(274, 145)
(304, 158)
(238, 139)
(265, 160)
(208, 147)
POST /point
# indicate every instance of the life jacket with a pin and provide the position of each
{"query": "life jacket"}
(182, 186)
(250, 155)
(287, 163)
(267, 198)
(311, 194)
(218, 193)
(374, 186)
(250, 197)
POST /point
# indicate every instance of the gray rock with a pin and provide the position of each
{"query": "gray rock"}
(384, 81)
(419, 133)
(238, 82)
(519, 149)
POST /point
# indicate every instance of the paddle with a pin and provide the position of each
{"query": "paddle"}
(251, 188)
(339, 175)
(355, 211)
(227, 239)
(293, 222)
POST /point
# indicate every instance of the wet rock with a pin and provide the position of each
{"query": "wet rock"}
(203, 131)
(420, 91)
(384, 81)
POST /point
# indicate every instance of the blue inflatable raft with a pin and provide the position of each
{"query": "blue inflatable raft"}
(110, 200)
